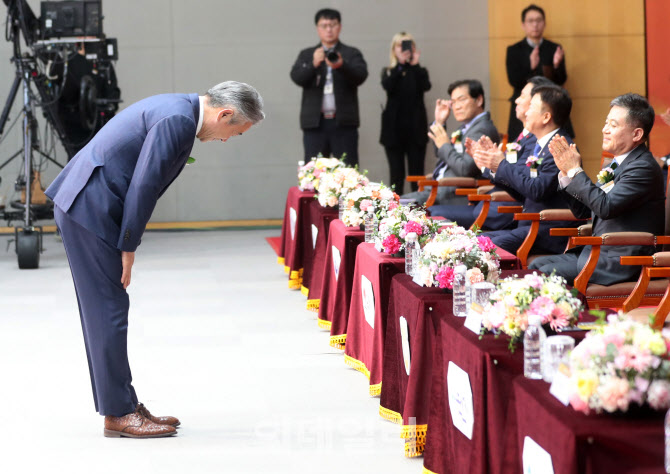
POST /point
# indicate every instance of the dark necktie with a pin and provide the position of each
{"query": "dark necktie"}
(537, 150)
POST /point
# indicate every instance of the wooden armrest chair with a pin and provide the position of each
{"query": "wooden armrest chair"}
(547, 215)
(613, 296)
(487, 199)
(654, 266)
(458, 182)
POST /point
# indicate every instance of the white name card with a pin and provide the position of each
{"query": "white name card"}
(460, 399)
(368, 297)
(293, 217)
(473, 321)
(560, 387)
(337, 258)
(315, 233)
(404, 335)
(535, 459)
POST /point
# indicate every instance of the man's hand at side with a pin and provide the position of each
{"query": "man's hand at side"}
(127, 260)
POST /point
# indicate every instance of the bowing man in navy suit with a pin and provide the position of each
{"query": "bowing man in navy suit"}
(103, 200)
(549, 111)
(633, 201)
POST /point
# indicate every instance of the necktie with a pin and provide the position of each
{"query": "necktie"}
(441, 165)
(537, 150)
(518, 139)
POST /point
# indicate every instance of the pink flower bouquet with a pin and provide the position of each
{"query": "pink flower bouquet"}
(400, 221)
(310, 173)
(452, 246)
(339, 181)
(370, 199)
(618, 364)
(515, 299)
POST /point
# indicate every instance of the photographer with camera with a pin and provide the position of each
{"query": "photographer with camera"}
(329, 75)
(404, 121)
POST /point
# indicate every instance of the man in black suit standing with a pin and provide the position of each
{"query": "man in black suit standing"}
(329, 74)
(631, 201)
(532, 56)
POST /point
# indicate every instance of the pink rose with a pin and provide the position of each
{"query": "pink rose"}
(365, 204)
(494, 317)
(658, 395)
(534, 280)
(391, 244)
(475, 275)
(332, 201)
(317, 173)
(445, 277)
(613, 394)
(579, 404)
(393, 205)
(413, 226)
(485, 243)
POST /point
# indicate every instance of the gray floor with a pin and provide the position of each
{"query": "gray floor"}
(217, 339)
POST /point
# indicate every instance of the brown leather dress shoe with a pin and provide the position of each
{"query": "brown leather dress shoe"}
(134, 425)
(159, 420)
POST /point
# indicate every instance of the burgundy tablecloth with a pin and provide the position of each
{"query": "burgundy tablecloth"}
(581, 444)
(364, 343)
(315, 239)
(291, 247)
(405, 397)
(336, 281)
(508, 261)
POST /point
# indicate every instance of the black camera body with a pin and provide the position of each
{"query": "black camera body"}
(332, 56)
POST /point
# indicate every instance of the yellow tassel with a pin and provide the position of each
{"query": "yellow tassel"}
(417, 432)
(338, 342)
(294, 284)
(281, 260)
(294, 275)
(313, 305)
(413, 450)
(390, 415)
(376, 390)
(323, 324)
(357, 365)
(428, 471)
(304, 290)
(287, 270)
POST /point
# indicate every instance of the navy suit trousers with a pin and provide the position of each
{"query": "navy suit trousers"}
(103, 308)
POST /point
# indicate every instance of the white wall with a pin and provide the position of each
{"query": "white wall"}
(187, 46)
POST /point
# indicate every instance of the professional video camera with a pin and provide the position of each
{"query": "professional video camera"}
(68, 71)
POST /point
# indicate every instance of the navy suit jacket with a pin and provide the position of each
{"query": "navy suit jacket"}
(112, 185)
(538, 193)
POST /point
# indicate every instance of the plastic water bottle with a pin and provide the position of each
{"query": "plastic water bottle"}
(369, 226)
(468, 294)
(416, 258)
(667, 442)
(533, 341)
(459, 291)
(410, 244)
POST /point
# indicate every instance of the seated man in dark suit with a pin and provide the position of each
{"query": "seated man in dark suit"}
(538, 188)
(467, 103)
(634, 202)
(465, 215)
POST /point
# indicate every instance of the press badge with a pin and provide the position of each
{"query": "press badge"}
(458, 147)
(607, 187)
(511, 157)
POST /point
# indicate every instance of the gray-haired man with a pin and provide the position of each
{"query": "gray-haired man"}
(103, 200)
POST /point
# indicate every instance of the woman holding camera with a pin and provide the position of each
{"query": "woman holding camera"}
(404, 122)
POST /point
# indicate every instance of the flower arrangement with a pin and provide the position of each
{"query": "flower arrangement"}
(515, 299)
(456, 137)
(606, 175)
(399, 222)
(368, 199)
(453, 246)
(310, 173)
(338, 182)
(514, 146)
(533, 162)
(620, 363)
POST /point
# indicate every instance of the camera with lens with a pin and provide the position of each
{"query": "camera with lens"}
(332, 56)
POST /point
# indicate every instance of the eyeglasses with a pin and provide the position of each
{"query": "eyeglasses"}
(328, 26)
(461, 100)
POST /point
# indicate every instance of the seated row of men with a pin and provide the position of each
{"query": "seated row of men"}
(632, 199)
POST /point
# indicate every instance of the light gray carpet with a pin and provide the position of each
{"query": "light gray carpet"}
(217, 339)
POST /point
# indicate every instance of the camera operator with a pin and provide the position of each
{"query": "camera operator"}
(404, 121)
(329, 75)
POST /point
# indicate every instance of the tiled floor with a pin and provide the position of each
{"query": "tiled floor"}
(217, 339)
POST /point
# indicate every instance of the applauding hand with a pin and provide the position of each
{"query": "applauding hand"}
(565, 156)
